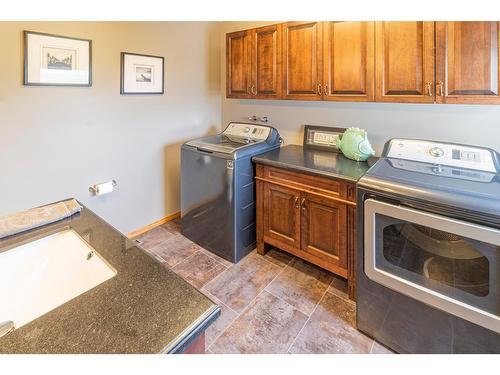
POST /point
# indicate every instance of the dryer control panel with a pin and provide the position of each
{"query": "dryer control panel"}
(248, 131)
(441, 153)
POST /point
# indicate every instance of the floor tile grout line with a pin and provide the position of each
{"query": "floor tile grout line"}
(209, 254)
(308, 318)
(224, 330)
(247, 306)
(186, 259)
(202, 289)
(288, 303)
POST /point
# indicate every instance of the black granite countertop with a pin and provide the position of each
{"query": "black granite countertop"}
(317, 162)
(144, 308)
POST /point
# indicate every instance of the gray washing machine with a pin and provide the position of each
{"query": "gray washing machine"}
(218, 188)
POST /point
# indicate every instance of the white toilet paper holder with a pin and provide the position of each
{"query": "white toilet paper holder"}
(93, 189)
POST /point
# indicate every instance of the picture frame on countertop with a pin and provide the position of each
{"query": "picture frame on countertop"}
(322, 137)
(56, 60)
(141, 74)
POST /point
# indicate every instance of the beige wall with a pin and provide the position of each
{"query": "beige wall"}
(472, 124)
(56, 141)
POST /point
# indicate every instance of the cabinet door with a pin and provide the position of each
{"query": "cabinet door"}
(348, 61)
(302, 60)
(238, 69)
(324, 228)
(266, 57)
(404, 62)
(467, 62)
(282, 214)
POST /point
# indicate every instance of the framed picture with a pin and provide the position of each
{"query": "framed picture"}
(322, 137)
(54, 60)
(141, 74)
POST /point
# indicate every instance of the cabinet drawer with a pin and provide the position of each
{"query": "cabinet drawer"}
(309, 183)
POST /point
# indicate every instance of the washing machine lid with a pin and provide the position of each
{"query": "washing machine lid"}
(222, 143)
(237, 135)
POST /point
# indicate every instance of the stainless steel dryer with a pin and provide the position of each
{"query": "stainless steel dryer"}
(218, 188)
(428, 257)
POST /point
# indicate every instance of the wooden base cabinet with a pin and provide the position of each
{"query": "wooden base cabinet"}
(309, 217)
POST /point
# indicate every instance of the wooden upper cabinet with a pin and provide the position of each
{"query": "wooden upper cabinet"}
(238, 69)
(348, 61)
(467, 62)
(404, 62)
(266, 58)
(302, 60)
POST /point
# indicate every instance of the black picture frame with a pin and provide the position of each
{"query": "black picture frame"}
(309, 129)
(26, 81)
(122, 74)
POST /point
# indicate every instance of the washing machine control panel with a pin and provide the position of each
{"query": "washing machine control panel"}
(249, 131)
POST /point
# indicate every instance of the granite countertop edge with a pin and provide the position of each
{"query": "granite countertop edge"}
(144, 308)
(332, 165)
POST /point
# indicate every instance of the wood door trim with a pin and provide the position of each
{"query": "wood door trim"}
(428, 65)
(267, 212)
(284, 60)
(369, 96)
(306, 190)
(341, 259)
(307, 256)
(276, 67)
(441, 70)
(245, 34)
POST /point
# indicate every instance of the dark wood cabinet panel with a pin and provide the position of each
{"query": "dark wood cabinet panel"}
(467, 62)
(298, 214)
(348, 61)
(324, 228)
(282, 214)
(302, 60)
(266, 58)
(238, 69)
(404, 62)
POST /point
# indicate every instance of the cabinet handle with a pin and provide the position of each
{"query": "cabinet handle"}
(429, 88)
(318, 89)
(303, 204)
(441, 88)
(325, 90)
(249, 90)
(254, 90)
(297, 203)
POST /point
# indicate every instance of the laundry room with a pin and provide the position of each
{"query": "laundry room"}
(184, 181)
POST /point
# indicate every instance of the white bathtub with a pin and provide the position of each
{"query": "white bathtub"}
(39, 276)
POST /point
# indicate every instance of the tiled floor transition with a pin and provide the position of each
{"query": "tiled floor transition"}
(275, 303)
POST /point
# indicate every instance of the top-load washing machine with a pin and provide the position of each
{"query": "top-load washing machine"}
(218, 188)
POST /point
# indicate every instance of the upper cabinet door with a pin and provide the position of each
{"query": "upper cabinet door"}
(348, 61)
(404, 62)
(266, 62)
(238, 69)
(302, 60)
(467, 62)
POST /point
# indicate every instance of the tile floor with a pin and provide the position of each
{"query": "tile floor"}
(270, 304)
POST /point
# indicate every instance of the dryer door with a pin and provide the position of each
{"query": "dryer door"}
(446, 263)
